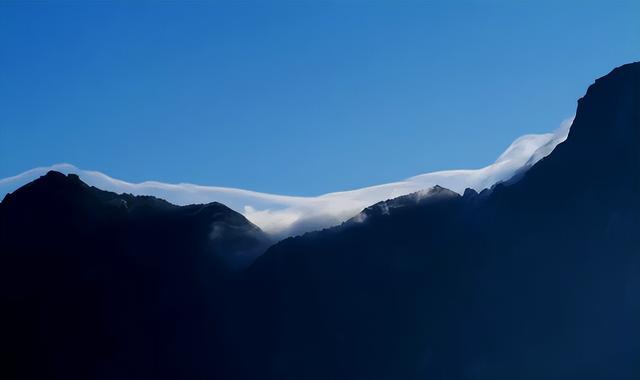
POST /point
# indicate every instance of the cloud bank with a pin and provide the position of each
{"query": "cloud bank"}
(283, 215)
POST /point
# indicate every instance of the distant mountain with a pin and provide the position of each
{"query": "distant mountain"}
(536, 278)
(102, 285)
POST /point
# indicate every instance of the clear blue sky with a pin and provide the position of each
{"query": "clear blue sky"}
(295, 97)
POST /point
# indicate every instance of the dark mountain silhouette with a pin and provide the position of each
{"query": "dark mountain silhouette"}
(535, 278)
(100, 285)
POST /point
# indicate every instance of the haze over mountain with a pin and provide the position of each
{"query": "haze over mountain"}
(284, 215)
(535, 278)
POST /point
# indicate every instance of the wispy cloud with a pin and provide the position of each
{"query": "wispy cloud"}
(283, 215)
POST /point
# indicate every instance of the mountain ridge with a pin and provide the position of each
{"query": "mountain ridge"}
(284, 215)
(536, 277)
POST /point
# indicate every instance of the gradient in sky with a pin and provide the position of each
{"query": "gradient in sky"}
(294, 97)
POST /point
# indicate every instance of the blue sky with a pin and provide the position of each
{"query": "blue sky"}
(294, 97)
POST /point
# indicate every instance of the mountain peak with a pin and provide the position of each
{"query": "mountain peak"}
(422, 197)
(601, 148)
(62, 199)
(55, 178)
(608, 114)
(49, 186)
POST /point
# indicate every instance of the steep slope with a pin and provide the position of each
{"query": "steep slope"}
(534, 279)
(99, 285)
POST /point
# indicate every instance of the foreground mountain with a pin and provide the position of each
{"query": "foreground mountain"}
(535, 278)
(99, 285)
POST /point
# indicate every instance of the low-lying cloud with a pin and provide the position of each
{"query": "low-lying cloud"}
(283, 215)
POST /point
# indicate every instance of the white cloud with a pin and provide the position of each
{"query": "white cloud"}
(282, 215)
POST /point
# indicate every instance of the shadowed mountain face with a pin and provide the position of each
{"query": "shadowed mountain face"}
(100, 285)
(537, 278)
